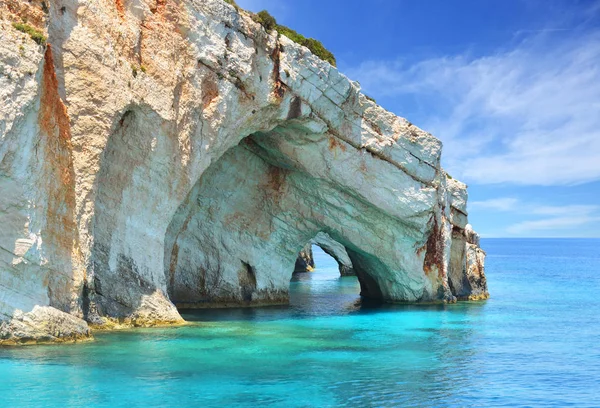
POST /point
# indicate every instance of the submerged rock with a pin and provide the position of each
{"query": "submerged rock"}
(154, 154)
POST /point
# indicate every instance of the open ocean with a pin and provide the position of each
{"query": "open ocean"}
(535, 342)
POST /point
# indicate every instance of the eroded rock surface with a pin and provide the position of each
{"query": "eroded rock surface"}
(43, 324)
(305, 261)
(174, 152)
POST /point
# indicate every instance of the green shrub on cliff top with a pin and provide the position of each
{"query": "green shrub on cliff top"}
(35, 34)
(319, 50)
(266, 20)
(233, 3)
(315, 46)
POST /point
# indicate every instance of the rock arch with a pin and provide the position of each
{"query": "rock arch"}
(255, 207)
(331, 247)
(252, 210)
(210, 153)
(131, 191)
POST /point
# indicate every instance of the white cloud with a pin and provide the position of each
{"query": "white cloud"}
(566, 209)
(552, 224)
(500, 204)
(553, 219)
(515, 205)
(526, 116)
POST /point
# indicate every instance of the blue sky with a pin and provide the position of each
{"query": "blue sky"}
(511, 87)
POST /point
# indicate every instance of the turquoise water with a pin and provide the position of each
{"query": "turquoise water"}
(534, 343)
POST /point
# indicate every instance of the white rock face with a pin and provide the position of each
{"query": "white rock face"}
(42, 325)
(174, 152)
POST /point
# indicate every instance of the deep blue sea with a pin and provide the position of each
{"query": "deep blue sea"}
(535, 342)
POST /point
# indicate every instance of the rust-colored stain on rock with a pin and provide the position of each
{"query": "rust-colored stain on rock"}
(434, 250)
(209, 91)
(60, 176)
(336, 143)
(376, 128)
(278, 85)
(276, 179)
(119, 4)
(159, 7)
(32, 12)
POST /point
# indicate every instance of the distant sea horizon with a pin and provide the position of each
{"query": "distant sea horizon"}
(484, 237)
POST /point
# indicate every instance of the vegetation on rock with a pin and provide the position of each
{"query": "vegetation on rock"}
(233, 3)
(266, 20)
(315, 46)
(35, 34)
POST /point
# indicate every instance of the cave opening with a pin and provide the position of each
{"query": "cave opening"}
(322, 289)
(228, 233)
(324, 244)
(236, 239)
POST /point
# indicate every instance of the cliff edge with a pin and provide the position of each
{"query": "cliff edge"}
(162, 153)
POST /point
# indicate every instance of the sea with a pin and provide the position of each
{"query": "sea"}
(534, 343)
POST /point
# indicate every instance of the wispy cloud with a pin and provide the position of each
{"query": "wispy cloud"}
(530, 115)
(541, 218)
(518, 206)
(500, 204)
(565, 209)
(552, 224)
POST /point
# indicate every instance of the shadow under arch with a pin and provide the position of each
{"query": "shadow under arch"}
(346, 256)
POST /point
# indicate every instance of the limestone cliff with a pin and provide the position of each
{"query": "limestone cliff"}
(161, 152)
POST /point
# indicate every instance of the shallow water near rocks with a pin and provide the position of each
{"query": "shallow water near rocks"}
(534, 343)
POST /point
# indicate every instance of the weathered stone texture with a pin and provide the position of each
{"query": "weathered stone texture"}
(174, 152)
(305, 261)
(43, 324)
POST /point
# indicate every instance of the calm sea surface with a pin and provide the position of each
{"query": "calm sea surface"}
(535, 343)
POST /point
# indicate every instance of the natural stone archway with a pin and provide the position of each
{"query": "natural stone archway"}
(236, 239)
(337, 251)
(305, 261)
(187, 157)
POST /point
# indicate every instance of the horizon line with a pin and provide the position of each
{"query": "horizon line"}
(484, 237)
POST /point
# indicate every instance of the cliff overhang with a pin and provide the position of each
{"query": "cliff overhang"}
(155, 154)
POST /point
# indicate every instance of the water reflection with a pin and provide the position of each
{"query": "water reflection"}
(322, 292)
